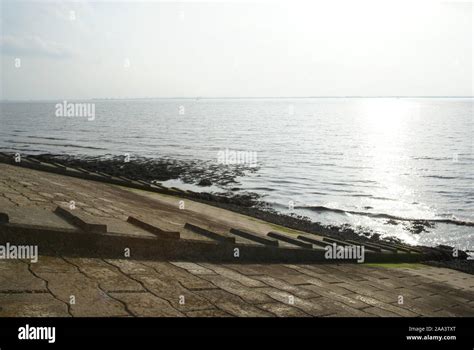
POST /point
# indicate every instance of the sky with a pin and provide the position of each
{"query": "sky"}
(127, 49)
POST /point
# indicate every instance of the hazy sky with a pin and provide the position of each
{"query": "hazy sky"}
(240, 48)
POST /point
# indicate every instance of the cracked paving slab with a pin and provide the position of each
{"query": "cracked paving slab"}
(121, 287)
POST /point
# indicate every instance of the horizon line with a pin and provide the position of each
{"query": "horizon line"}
(227, 98)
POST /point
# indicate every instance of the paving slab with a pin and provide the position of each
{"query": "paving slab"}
(36, 216)
(288, 275)
(179, 297)
(313, 307)
(326, 276)
(283, 310)
(52, 264)
(193, 268)
(147, 305)
(317, 283)
(173, 273)
(287, 287)
(385, 306)
(246, 269)
(232, 304)
(31, 305)
(330, 293)
(340, 309)
(15, 276)
(362, 288)
(89, 300)
(130, 267)
(250, 295)
(208, 313)
(109, 278)
(375, 311)
(233, 275)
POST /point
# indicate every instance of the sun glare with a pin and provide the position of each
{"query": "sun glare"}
(386, 116)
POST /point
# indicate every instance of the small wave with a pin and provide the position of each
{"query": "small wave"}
(320, 193)
(46, 138)
(266, 189)
(432, 158)
(373, 197)
(386, 216)
(54, 144)
(355, 167)
(441, 177)
(336, 183)
(365, 181)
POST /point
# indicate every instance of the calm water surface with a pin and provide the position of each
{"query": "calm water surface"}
(409, 158)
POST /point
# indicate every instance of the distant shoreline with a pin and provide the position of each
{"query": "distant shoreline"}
(198, 98)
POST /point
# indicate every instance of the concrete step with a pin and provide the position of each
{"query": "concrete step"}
(290, 240)
(254, 237)
(314, 241)
(80, 220)
(213, 235)
(153, 229)
(371, 246)
(349, 242)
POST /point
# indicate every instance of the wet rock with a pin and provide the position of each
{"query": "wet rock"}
(391, 222)
(419, 226)
(203, 173)
(466, 266)
(205, 182)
